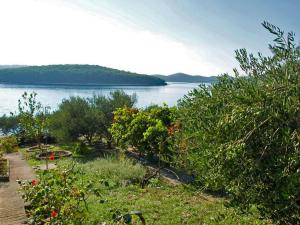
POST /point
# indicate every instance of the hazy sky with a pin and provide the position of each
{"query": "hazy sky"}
(144, 36)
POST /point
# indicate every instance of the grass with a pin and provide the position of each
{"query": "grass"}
(160, 203)
(31, 156)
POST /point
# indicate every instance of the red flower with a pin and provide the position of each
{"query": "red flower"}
(34, 183)
(52, 157)
(54, 213)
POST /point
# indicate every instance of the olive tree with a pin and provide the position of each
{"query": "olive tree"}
(242, 134)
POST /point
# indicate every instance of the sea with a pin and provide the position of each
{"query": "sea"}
(52, 96)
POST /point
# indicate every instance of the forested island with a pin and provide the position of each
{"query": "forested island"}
(74, 75)
(182, 77)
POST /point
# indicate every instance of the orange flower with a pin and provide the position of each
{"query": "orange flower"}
(54, 214)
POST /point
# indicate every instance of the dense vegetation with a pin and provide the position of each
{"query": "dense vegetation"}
(88, 118)
(182, 77)
(8, 124)
(147, 130)
(240, 135)
(74, 75)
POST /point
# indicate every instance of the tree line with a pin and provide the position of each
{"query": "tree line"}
(74, 75)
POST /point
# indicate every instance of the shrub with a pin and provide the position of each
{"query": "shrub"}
(242, 134)
(58, 196)
(8, 144)
(75, 118)
(81, 148)
(147, 130)
(79, 117)
(107, 105)
(9, 124)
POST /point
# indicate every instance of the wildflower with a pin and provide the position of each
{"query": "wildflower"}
(52, 157)
(34, 183)
(54, 214)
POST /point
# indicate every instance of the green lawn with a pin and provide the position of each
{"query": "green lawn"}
(160, 203)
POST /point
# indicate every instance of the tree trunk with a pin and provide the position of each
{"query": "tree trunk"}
(109, 143)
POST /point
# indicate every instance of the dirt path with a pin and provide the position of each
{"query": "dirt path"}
(11, 204)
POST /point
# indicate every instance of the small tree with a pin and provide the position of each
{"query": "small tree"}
(33, 118)
(76, 117)
(107, 105)
(148, 130)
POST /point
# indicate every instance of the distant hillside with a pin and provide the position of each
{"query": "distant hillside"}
(74, 75)
(10, 66)
(182, 77)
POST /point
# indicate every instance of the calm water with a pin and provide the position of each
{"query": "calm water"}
(52, 96)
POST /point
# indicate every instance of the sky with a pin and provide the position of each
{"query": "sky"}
(144, 36)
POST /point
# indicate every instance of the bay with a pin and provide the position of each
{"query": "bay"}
(50, 95)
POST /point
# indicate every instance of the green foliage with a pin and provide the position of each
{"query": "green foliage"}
(242, 134)
(8, 144)
(33, 118)
(76, 117)
(147, 130)
(81, 148)
(8, 124)
(79, 117)
(59, 196)
(107, 105)
(75, 75)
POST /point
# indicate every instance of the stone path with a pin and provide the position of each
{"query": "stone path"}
(11, 204)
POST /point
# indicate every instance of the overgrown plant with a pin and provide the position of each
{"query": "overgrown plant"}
(58, 196)
(242, 134)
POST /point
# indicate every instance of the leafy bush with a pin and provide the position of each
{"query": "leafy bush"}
(87, 117)
(107, 105)
(58, 196)
(8, 144)
(81, 148)
(147, 130)
(9, 124)
(75, 118)
(242, 134)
